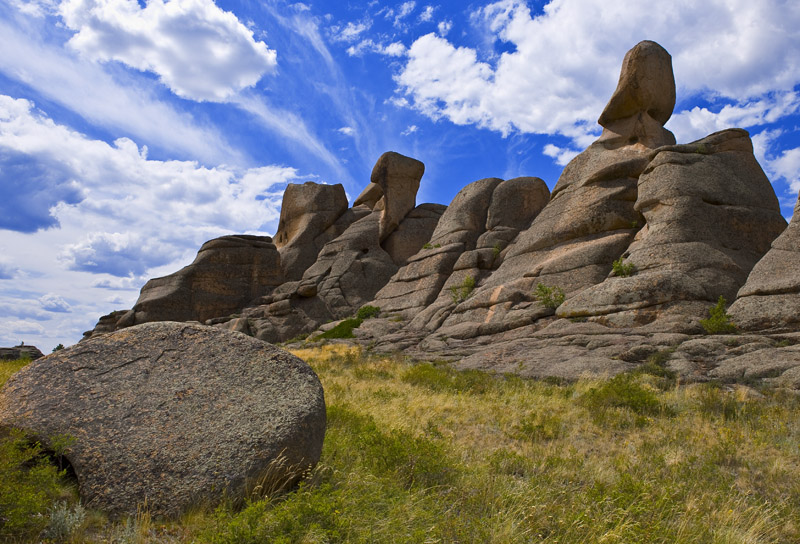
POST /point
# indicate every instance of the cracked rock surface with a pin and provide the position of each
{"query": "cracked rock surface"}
(176, 414)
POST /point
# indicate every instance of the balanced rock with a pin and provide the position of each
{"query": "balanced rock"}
(770, 299)
(710, 214)
(308, 214)
(173, 414)
(398, 178)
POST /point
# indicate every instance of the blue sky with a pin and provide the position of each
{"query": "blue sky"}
(133, 131)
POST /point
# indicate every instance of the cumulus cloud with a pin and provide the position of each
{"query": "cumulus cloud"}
(394, 49)
(7, 271)
(561, 155)
(54, 303)
(346, 131)
(427, 14)
(198, 50)
(124, 221)
(444, 27)
(17, 328)
(404, 11)
(558, 68)
(351, 31)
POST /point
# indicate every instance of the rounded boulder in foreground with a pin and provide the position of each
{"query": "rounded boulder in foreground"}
(172, 414)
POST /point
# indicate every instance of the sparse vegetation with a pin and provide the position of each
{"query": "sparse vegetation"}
(622, 269)
(424, 453)
(428, 245)
(719, 321)
(59, 347)
(496, 249)
(549, 297)
(368, 312)
(344, 329)
(461, 292)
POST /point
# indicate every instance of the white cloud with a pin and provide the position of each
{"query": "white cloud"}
(84, 87)
(351, 31)
(198, 50)
(403, 11)
(561, 155)
(787, 166)
(394, 49)
(411, 129)
(346, 131)
(11, 328)
(123, 222)
(698, 122)
(444, 27)
(52, 302)
(561, 67)
(427, 14)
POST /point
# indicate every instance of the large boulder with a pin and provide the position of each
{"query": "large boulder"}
(770, 299)
(20, 352)
(173, 414)
(710, 215)
(398, 178)
(227, 273)
(309, 213)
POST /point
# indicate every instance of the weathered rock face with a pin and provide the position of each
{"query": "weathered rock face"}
(227, 273)
(308, 215)
(175, 414)
(398, 178)
(710, 214)
(770, 299)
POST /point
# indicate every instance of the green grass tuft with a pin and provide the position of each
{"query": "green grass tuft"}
(622, 269)
(719, 321)
(549, 297)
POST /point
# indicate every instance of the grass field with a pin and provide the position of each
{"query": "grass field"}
(421, 453)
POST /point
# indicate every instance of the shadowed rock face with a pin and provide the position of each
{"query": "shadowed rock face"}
(770, 299)
(176, 414)
(227, 273)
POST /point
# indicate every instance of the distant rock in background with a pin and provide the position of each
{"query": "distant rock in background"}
(174, 414)
(20, 352)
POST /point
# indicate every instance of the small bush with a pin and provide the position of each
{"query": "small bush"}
(58, 348)
(623, 391)
(367, 312)
(623, 270)
(65, 521)
(538, 427)
(460, 293)
(445, 379)
(719, 321)
(496, 249)
(427, 245)
(549, 297)
(342, 330)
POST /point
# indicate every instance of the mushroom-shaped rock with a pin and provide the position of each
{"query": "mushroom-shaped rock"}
(227, 273)
(174, 414)
(770, 299)
(308, 212)
(398, 177)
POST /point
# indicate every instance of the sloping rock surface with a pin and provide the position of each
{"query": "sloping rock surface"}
(770, 299)
(172, 413)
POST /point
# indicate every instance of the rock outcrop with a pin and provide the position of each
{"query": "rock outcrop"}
(174, 414)
(639, 237)
(770, 299)
(710, 214)
(20, 352)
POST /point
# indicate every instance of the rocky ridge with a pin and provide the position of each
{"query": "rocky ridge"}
(640, 236)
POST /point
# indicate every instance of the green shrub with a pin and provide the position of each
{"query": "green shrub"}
(65, 521)
(58, 348)
(549, 297)
(623, 391)
(719, 321)
(29, 484)
(367, 312)
(342, 330)
(623, 270)
(427, 245)
(460, 293)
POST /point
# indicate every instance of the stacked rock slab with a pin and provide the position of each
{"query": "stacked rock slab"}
(227, 273)
(770, 299)
(169, 416)
(590, 220)
(470, 240)
(710, 215)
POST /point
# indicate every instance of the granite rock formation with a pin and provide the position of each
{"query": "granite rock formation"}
(20, 352)
(689, 221)
(176, 414)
